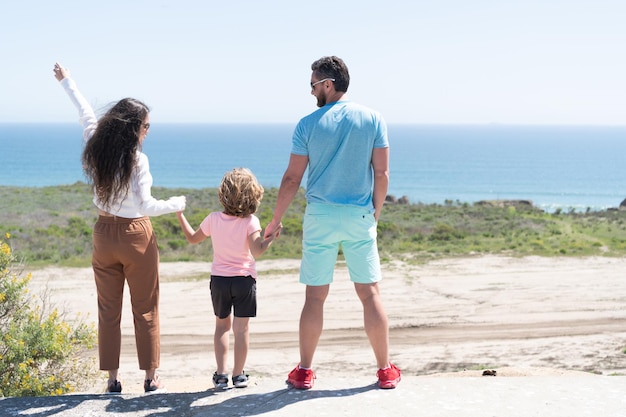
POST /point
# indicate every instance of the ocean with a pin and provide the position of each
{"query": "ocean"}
(555, 167)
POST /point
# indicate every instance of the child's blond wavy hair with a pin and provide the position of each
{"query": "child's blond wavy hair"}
(240, 193)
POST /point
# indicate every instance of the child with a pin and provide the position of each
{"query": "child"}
(237, 241)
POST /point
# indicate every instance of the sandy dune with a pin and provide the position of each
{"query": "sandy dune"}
(520, 316)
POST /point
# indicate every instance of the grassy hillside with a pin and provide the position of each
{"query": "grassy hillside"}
(53, 225)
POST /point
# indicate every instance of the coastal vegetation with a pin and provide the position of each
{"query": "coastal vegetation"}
(52, 225)
(40, 352)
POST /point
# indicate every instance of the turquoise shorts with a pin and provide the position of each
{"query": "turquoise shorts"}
(327, 227)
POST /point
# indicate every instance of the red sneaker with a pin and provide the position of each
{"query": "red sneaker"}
(301, 378)
(388, 378)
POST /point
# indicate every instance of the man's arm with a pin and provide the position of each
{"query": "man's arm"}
(380, 164)
(287, 191)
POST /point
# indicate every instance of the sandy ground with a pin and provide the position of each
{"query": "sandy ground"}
(452, 317)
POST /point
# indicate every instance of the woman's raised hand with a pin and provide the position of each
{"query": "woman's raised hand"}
(60, 72)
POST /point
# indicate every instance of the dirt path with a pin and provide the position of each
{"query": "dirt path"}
(471, 313)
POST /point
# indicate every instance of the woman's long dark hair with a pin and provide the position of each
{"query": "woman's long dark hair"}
(110, 155)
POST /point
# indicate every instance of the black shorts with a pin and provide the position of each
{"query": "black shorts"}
(238, 293)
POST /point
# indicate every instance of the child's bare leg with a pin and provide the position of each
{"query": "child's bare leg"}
(242, 340)
(220, 341)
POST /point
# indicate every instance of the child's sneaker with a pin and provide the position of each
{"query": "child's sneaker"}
(240, 381)
(389, 377)
(154, 386)
(114, 387)
(301, 378)
(220, 380)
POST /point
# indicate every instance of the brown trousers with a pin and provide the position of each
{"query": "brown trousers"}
(126, 250)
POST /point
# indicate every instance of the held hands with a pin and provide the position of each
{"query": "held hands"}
(180, 201)
(268, 238)
(273, 230)
(60, 72)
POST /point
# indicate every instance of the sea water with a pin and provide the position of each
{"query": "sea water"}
(567, 167)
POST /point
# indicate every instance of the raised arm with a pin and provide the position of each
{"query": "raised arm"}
(86, 115)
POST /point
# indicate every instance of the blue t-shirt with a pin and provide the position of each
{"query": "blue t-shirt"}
(339, 139)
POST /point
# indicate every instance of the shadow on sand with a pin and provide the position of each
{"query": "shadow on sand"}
(168, 405)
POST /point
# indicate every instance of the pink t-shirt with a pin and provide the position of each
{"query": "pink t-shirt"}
(229, 235)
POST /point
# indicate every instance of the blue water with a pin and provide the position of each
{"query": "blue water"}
(555, 167)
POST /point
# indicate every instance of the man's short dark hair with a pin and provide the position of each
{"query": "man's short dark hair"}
(333, 67)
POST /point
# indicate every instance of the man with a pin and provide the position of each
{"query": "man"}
(346, 149)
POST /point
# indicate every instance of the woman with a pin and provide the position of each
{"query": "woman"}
(124, 245)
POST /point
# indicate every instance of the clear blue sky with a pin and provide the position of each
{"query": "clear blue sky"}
(446, 61)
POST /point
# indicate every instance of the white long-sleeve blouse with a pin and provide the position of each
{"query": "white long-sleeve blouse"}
(139, 201)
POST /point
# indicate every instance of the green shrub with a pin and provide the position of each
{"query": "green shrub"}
(40, 353)
(54, 225)
(445, 232)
